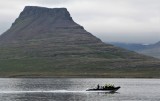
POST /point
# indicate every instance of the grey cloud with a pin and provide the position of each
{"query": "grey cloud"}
(51, 2)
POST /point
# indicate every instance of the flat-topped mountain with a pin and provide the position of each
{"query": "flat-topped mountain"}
(39, 22)
(47, 42)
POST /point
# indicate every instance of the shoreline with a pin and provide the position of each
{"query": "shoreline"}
(102, 77)
(81, 75)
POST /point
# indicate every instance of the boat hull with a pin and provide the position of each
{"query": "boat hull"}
(105, 90)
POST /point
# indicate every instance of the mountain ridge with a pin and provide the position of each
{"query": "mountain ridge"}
(47, 42)
(152, 50)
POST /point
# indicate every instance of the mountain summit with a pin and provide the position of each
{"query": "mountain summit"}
(35, 21)
(47, 42)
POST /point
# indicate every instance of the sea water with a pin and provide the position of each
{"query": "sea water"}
(74, 89)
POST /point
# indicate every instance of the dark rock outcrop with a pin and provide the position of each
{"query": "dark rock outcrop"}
(35, 21)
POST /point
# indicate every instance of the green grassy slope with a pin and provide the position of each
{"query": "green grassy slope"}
(93, 60)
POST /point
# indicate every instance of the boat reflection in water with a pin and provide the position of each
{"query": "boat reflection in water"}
(107, 88)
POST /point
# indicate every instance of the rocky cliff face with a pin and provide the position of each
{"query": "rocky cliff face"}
(47, 42)
(35, 21)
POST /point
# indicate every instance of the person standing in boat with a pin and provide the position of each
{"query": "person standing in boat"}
(98, 86)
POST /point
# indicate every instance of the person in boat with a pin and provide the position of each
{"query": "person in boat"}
(98, 86)
(109, 86)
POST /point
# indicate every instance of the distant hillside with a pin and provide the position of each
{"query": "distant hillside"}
(46, 42)
(150, 50)
(129, 46)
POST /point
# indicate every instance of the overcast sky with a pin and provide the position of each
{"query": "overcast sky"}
(131, 21)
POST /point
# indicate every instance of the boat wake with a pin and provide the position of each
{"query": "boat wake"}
(51, 91)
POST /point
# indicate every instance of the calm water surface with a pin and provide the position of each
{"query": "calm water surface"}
(73, 89)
